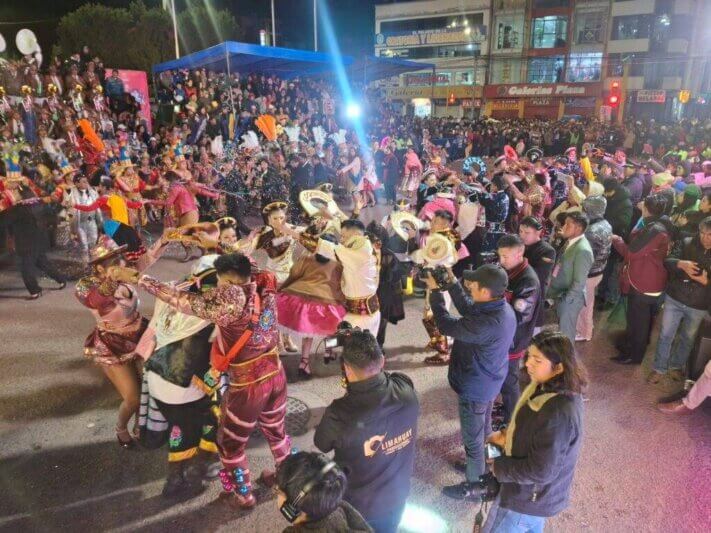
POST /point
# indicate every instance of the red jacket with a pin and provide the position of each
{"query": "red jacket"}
(643, 268)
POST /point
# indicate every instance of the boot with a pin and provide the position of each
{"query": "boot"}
(211, 464)
(193, 474)
(238, 487)
(432, 330)
(174, 483)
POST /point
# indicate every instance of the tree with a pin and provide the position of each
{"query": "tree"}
(200, 27)
(133, 38)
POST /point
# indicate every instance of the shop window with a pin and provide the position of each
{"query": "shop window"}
(584, 67)
(590, 27)
(630, 27)
(549, 32)
(508, 33)
(465, 78)
(545, 69)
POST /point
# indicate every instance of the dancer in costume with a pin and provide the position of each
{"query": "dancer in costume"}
(310, 302)
(176, 350)
(85, 225)
(119, 326)
(242, 306)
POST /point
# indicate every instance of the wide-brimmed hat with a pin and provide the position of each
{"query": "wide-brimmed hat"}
(312, 200)
(400, 220)
(105, 248)
(273, 206)
(438, 250)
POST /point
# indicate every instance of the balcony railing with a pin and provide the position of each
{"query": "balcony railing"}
(589, 36)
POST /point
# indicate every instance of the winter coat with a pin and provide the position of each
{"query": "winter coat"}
(643, 268)
(598, 233)
(680, 286)
(619, 211)
(537, 473)
(524, 295)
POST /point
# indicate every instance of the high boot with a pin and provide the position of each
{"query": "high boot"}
(175, 482)
(432, 330)
(193, 473)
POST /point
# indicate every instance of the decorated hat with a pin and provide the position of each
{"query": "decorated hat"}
(469, 162)
(65, 168)
(534, 154)
(274, 206)
(124, 158)
(105, 248)
(499, 160)
(26, 89)
(402, 204)
(178, 153)
(325, 187)
(403, 220)
(438, 250)
(98, 89)
(78, 87)
(52, 88)
(12, 166)
(313, 200)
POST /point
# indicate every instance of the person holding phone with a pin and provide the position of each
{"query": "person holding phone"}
(540, 447)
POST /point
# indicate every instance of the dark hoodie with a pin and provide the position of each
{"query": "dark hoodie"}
(619, 211)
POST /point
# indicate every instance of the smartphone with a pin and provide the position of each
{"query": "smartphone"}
(492, 451)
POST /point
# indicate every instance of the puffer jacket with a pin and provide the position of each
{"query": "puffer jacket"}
(598, 233)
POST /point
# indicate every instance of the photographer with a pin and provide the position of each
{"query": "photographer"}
(541, 445)
(310, 495)
(479, 361)
(372, 430)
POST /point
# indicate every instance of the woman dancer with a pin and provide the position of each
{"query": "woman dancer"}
(309, 302)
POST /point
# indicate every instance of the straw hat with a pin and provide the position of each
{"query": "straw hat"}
(401, 221)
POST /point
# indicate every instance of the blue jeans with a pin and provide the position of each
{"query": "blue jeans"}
(475, 425)
(502, 520)
(681, 322)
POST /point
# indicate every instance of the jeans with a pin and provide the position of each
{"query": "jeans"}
(610, 286)
(475, 425)
(388, 523)
(681, 319)
(568, 309)
(502, 520)
(511, 390)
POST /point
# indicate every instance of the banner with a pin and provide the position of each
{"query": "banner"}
(651, 96)
(462, 34)
(135, 82)
(442, 78)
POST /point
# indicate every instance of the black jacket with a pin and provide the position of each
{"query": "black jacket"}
(679, 286)
(482, 337)
(619, 211)
(345, 519)
(536, 478)
(373, 429)
(524, 295)
(541, 257)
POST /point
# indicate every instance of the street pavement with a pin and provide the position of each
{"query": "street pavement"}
(62, 470)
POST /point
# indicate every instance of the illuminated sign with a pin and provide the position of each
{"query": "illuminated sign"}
(462, 34)
(536, 90)
(441, 92)
(442, 78)
(651, 97)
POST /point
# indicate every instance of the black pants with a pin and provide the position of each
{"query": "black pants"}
(510, 389)
(381, 332)
(390, 191)
(35, 260)
(190, 426)
(387, 523)
(641, 310)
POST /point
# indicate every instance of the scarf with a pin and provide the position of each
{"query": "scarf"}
(535, 404)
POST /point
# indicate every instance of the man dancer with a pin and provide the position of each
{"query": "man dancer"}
(242, 306)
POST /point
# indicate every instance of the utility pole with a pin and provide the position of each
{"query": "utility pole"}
(315, 27)
(273, 26)
(623, 89)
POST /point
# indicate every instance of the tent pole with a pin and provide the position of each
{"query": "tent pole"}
(273, 26)
(229, 83)
(315, 28)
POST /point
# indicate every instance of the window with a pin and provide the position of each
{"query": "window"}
(630, 27)
(508, 33)
(465, 78)
(545, 69)
(661, 30)
(584, 67)
(431, 23)
(549, 32)
(505, 70)
(540, 4)
(590, 27)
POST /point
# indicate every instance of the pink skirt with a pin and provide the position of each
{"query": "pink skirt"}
(307, 318)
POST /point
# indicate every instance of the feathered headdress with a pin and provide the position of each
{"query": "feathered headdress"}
(90, 135)
(250, 141)
(339, 137)
(319, 135)
(267, 125)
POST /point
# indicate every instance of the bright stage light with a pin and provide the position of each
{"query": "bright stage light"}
(353, 110)
(418, 519)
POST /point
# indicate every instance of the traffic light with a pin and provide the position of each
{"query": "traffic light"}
(684, 96)
(613, 99)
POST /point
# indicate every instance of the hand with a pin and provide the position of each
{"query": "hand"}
(702, 278)
(498, 438)
(689, 267)
(430, 282)
(616, 238)
(123, 274)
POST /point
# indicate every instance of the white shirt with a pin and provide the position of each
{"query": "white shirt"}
(360, 269)
(573, 240)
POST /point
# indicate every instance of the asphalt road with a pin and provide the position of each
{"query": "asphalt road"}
(61, 469)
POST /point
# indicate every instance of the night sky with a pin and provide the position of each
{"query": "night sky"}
(353, 20)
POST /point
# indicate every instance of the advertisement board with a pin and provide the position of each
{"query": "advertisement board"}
(135, 82)
(651, 96)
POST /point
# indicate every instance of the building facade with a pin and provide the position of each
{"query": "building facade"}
(451, 34)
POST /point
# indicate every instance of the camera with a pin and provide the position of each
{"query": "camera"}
(343, 330)
(489, 487)
(439, 273)
(492, 451)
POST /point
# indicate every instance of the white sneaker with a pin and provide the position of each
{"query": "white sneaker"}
(580, 338)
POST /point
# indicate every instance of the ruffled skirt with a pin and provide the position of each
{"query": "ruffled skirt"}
(307, 318)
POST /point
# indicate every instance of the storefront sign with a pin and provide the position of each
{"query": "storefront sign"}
(580, 102)
(651, 97)
(501, 105)
(459, 91)
(531, 90)
(441, 78)
(463, 34)
(541, 102)
(471, 102)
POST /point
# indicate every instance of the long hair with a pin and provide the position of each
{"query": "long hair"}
(558, 348)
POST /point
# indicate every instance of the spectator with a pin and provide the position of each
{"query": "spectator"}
(479, 360)
(643, 277)
(686, 302)
(114, 86)
(598, 234)
(542, 444)
(695, 397)
(540, 254)
(372, 430)
(310, 490)
(570, 275)
(524, 295)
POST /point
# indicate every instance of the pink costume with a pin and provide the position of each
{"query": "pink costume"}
(413, 170)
